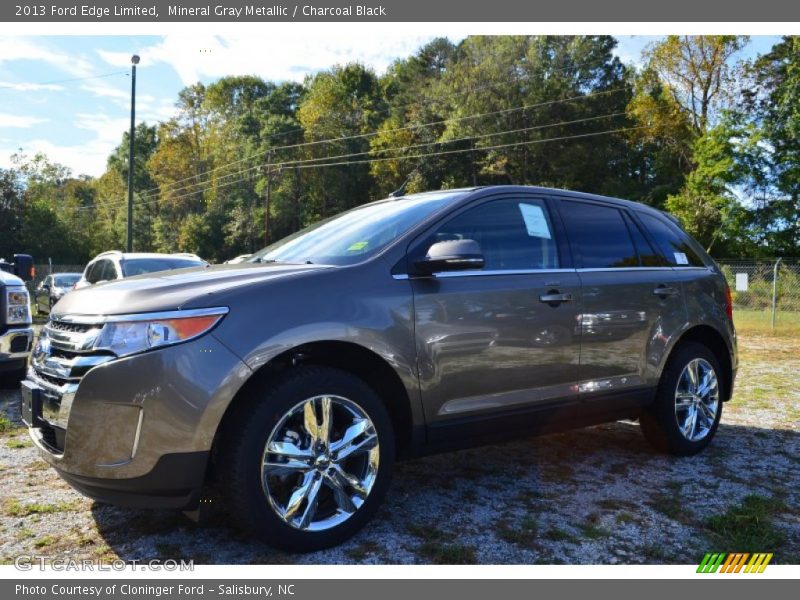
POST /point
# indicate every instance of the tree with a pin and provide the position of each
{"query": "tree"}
(11, 212)
(687, 84)
(775, 99)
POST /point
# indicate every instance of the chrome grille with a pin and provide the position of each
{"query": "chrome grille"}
(70, 327)
(61, 357)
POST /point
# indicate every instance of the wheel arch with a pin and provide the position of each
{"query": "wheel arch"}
(715, 342)
(354, 358)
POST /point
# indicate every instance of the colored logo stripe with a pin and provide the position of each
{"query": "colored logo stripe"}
(735, 562)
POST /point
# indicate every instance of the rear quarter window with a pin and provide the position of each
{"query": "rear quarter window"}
(672, 242)
(598, 235)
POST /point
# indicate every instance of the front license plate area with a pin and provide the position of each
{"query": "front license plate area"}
(31, 408)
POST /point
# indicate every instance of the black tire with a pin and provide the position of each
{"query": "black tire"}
(238, 464)
(659, 423)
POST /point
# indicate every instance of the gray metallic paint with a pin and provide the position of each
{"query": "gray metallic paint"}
(447, 361)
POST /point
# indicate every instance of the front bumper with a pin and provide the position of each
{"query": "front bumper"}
(137, 431)
(175, 482)
(15, 344)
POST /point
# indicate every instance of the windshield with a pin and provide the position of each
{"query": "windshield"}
(138, 266)
(355, 235)
(66, 280)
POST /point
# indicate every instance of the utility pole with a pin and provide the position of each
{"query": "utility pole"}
(134, 62)
(268, 198)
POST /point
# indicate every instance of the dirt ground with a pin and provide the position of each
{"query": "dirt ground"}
(598, 495)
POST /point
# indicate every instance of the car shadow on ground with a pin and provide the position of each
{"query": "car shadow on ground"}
(595, 495)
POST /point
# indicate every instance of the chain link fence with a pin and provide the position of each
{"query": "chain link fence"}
(764, 291)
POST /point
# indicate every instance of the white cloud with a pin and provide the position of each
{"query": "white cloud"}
(19, 121)
(20, 48)
(89, 158)
(30, 87)
(105, 90)
(85, 157)
(277, 58)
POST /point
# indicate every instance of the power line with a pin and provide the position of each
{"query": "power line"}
(382, 150)
(58, 81)
(385, 131)
(409, 157)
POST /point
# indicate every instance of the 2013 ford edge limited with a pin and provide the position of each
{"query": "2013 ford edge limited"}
(411, 325)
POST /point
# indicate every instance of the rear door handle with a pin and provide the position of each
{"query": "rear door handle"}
(664, 290)
(555, 298)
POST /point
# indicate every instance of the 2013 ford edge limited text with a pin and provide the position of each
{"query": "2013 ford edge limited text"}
(417, 324)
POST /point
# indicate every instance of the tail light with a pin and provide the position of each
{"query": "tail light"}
(728, 302)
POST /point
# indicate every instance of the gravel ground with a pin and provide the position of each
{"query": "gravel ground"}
(596, 495)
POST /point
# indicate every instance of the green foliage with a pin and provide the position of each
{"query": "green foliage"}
(242, 163)
(748, 527)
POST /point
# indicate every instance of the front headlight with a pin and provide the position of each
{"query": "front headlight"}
(130, 334)
(18, 308)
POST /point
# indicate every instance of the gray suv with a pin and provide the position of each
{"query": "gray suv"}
(292, 382)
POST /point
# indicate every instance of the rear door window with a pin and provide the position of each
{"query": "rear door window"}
(598, 235)
(671, 241)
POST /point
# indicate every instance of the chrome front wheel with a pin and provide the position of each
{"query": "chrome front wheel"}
(320, 462)
(697, 399)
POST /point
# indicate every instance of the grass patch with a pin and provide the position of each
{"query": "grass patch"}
(19, 443)
(669, 503)
(446, 554)
(14, 508)
(787, 324)
(44, 541)
(363, 550)
(554, 534)
(8, 427)
(747, 527)
(520, 534)
(625, 518)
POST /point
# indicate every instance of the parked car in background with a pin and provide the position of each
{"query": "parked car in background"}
(113, 265)
(52, 288)
(238, 259)
(16, 334)
(412, 325)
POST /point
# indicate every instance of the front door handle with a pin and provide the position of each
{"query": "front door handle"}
(665, 290)
(554, 297)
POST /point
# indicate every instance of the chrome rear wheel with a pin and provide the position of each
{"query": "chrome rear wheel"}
(697, 399)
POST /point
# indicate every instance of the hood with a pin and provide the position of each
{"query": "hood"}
(170, 290)
(9, 279)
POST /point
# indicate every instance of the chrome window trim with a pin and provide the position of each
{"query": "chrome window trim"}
(494, 272)
(613, 269)
(138, 317)
(486, 273)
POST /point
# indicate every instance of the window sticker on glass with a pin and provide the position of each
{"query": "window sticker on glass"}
(680, 258)
(357, 246)
(535, 221)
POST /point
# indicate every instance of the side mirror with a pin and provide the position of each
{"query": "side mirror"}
(23, 267)
(452, 255)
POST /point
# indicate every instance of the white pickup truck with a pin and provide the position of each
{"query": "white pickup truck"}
(16, 334)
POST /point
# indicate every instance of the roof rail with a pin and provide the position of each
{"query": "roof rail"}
(109, 252)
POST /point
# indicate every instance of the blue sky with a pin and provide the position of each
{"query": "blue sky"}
(48, 105)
